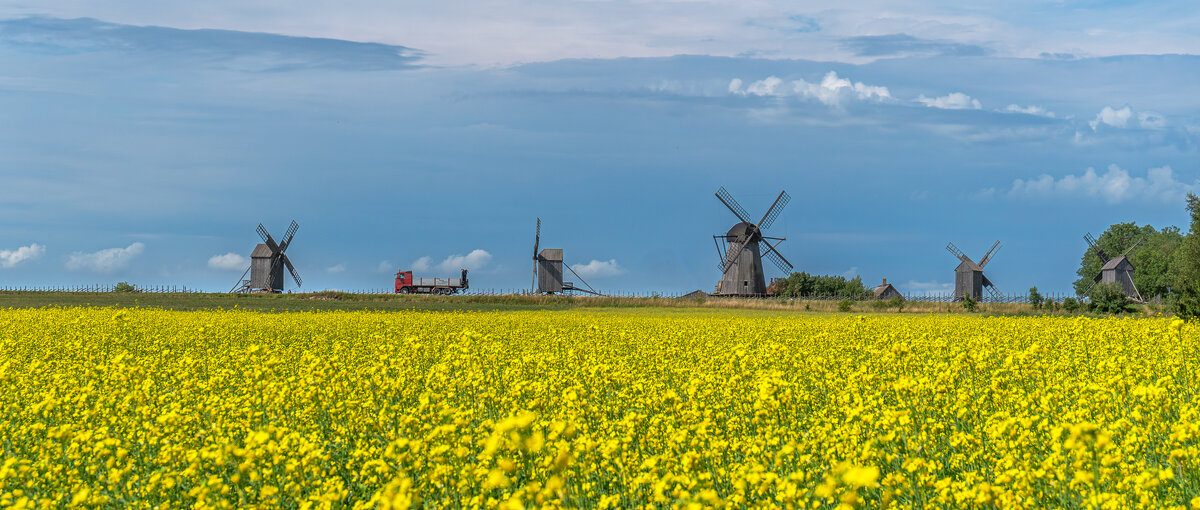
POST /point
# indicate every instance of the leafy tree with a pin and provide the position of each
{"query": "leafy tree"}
(1152, 259)
(1110, 298)
(1035, 298)
(124, 287)
(804, 285)
(1070, 305)
(1186, 302)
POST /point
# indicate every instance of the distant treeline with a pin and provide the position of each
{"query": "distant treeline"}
(804, 285)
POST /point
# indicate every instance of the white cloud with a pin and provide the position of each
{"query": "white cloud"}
(474, 260)
(1114, 186)
(927, 288)
(104, 261)
(1115, 118)
(599, 268)
(1029, 110)
(1126, 117)
(340, 268)
(849, 274)
(477, 259)
(385, 267)
(228, 261)
(952, 101)
(831, 91)
(10, 258)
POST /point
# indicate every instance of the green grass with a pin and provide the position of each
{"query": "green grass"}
(329, 301)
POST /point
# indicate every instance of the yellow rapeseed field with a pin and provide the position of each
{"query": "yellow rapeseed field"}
(151, 408)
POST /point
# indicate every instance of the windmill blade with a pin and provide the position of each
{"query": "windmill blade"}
(1088, 292)
(732, 204)
(950, 247)
(731, 257)
(772, 253)
(537, 238)
(287, 236)
(266, 237)
(773, 212)
(784, 266)
(271, 274)
(291, 269)
(996, 295)
(983, 262)
(1095, 246)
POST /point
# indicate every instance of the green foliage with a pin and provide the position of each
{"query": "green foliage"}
(1186, 278)
(1070, 305)
(1035, 298)
(897, 302)
(1153, 259)
(804, 285)
(968, 303)
(124, 287)
(1110, 298)
(844, 305)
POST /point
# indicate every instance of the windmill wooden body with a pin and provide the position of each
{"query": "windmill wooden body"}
(1116, 270)
(743, 247)
(969, 279)
(548, 270)
(267, 262)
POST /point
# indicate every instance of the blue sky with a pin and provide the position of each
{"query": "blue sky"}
(144, 141)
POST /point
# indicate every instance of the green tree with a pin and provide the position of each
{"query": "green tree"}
(1035, 298)
(1186, 267)
(804, 285)
(1152, 259)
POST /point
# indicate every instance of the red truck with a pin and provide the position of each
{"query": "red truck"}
(406, 284)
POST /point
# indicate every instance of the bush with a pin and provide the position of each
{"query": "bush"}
(1110, 298)
(1070, 305)
(844, 305)
(897, 302)
(124, 287)
(968, 303)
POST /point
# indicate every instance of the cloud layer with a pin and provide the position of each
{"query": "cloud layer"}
(599, 269)
(1125, 118)
(1114, 186)
(831, 90)
(952, 101)
(477, 259)
(228, 262)
(10, 258)
(104, 261)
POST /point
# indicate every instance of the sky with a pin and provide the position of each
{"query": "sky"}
(144, 141)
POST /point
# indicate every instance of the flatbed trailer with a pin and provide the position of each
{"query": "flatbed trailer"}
(407, 284)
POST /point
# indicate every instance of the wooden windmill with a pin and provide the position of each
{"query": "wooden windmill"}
(969, 279)
(743, 246)
(1115, 270)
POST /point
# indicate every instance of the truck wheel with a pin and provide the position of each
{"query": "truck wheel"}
(405, 290)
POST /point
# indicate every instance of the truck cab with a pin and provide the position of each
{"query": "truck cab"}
(404, 281)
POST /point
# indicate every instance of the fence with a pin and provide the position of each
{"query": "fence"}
(151, 289)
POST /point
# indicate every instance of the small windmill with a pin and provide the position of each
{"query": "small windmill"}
(1115, 270)
(741, 249)
(548, 270)
(267, 262)
(969, 279)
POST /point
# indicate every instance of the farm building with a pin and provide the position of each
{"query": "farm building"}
(886, 291)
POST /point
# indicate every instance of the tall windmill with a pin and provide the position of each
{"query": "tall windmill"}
(741, 249)
(267, 262)
(969, 279)
(1116, 270)
(548, 270)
